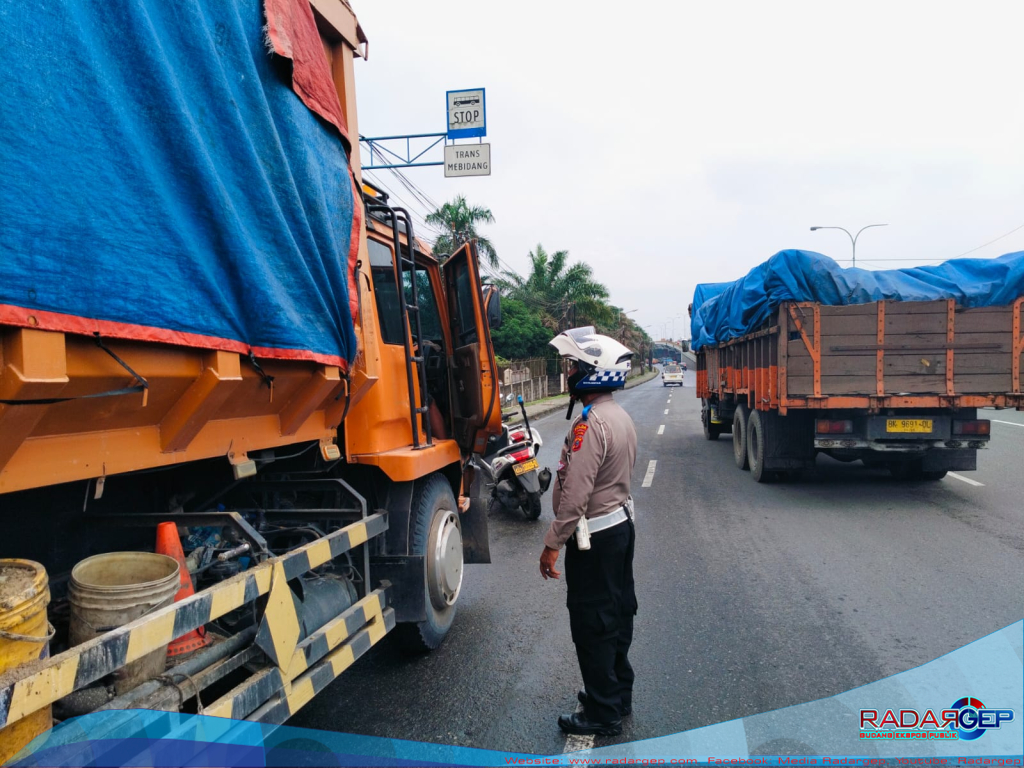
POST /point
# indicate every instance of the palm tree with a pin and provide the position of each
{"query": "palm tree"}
(458, 221)
(563, 296)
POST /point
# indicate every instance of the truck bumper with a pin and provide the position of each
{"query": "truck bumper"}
(902, 446)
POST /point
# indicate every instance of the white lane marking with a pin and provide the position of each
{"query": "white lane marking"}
(666, 411)
(966, 480)
(661, 430)
(575, 743)
(1011, 423)
(649, 477)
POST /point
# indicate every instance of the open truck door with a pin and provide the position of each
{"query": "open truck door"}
(475, 413)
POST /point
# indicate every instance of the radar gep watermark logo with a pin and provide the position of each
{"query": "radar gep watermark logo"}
(965, 719)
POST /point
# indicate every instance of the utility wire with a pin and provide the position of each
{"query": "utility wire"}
(873, 261)
(959, 255)
(1015, 229)
(424, 199)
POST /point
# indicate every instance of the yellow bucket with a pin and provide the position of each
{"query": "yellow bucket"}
(25, 636)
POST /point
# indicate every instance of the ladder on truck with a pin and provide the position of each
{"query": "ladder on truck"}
(410, 311)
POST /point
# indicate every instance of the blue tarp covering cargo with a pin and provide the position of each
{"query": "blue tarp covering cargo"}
(730, 310)
(163, 181)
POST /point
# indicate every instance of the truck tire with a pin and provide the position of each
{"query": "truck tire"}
(756, 443)
(739, 437)
(711, 431)
(436, 534)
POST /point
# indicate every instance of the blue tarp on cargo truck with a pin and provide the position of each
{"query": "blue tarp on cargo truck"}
(731, 310)
(163, 181)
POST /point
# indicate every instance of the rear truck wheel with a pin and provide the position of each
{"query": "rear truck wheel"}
(913, 470)
(711, 431)
(906, 470)
(436, 535)
(739, 437)
(532, 507)
(756, 444)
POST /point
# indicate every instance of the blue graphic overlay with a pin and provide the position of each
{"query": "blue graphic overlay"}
(901, 713)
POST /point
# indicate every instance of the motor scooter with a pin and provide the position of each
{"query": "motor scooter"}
(510, 466)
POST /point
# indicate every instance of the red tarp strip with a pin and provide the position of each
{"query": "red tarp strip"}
(294, 35)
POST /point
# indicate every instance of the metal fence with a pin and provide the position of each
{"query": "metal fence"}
(529, 378)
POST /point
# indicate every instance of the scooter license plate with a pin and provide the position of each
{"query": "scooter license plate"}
(526, 466)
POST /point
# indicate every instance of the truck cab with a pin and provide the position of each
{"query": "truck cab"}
(321, 494)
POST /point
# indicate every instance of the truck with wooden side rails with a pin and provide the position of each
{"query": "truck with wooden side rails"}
(207, 318)
(896, 384)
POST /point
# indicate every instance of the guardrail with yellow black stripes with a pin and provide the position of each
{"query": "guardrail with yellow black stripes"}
(298, 671)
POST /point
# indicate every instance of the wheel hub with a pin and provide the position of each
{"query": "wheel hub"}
(444, 560)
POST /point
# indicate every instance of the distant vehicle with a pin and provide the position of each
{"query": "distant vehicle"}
(672, 374)
(862, 382)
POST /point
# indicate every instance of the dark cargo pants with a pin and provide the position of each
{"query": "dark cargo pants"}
(602, 603)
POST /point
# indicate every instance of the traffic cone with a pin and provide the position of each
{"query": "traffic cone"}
(168, 543)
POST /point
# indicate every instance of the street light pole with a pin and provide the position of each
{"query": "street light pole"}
(674, 325)
(853, 238)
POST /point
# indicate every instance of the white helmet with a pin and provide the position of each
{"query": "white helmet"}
(603, 362)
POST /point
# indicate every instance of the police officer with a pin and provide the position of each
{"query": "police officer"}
(594, 521)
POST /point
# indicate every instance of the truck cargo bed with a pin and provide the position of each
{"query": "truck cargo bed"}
(885, 354)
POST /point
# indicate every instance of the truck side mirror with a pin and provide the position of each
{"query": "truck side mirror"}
(492, 298)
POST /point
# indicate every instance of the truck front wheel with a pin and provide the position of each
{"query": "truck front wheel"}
(437, 536)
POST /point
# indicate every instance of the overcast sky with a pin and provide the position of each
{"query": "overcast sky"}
(676, 143)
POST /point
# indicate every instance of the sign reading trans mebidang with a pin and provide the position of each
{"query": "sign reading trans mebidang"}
(467, 160)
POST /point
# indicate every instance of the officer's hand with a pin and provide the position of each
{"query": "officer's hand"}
(547, 563)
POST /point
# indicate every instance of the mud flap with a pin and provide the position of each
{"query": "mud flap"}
(788, 440)
(530, 481)
(961, 460)
(476, 546)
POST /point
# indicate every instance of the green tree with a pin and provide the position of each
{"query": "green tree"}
(522, 334)
(561, 293)
(458, 220)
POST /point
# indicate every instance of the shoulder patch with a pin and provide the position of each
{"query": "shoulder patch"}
(577, 435)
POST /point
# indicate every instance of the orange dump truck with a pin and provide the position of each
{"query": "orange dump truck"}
(206, 318)
(894, 383)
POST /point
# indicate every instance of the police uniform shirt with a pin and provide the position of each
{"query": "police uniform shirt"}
(594, 468)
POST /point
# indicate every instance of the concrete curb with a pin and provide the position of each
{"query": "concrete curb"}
(560, 403)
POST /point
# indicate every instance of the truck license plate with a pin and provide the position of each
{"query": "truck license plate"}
(908, 425)
(526, 466)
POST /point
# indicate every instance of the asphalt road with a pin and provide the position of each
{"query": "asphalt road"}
(752, 597)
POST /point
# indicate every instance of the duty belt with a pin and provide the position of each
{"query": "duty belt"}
(611, 519)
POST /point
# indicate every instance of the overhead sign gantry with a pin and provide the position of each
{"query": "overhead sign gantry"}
(466, 119)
